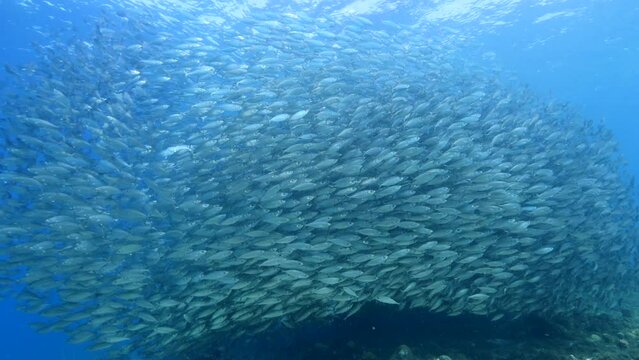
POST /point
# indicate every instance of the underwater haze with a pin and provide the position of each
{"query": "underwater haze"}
(257, 179)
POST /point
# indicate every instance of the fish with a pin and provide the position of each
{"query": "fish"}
(173, 183)
(386, 300)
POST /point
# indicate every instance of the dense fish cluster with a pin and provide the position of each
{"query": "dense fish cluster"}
(165, 184)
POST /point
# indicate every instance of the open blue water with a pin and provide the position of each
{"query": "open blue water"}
(585, 53)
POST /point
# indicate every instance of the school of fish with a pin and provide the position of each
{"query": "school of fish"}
(168, 183)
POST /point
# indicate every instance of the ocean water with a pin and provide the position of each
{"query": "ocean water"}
(580, 56)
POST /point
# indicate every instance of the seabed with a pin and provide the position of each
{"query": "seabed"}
(382, 333)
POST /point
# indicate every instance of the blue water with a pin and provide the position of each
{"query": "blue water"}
(590, 60)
